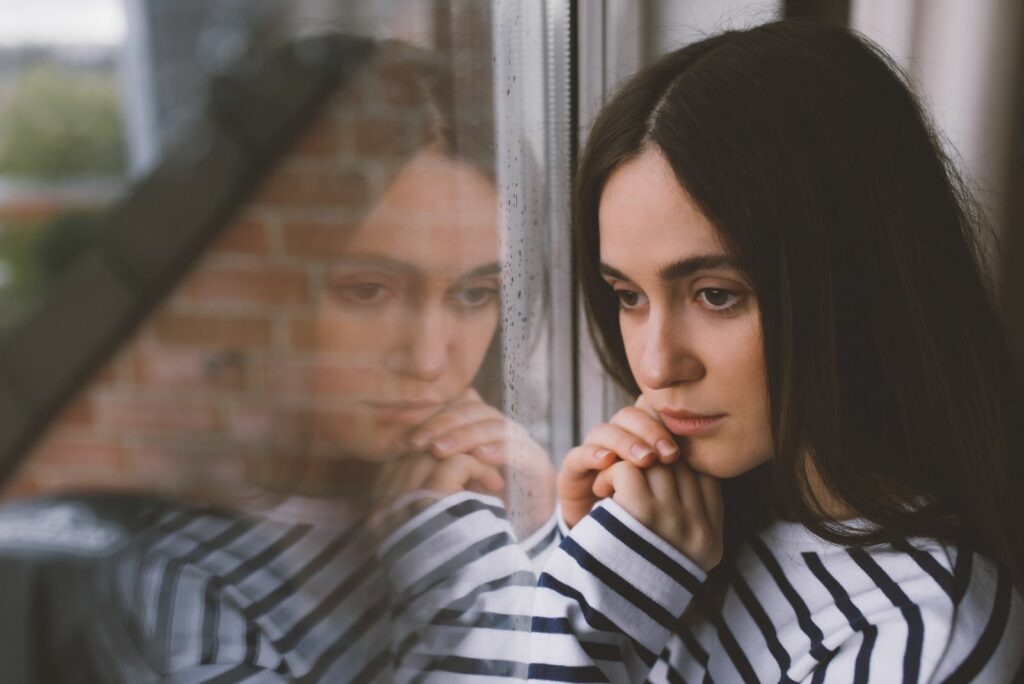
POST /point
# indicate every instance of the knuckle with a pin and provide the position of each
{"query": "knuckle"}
(700, 536)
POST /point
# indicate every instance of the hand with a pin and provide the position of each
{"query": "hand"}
(424, 473)
(679, 505)
(634, 434)
(470, 426)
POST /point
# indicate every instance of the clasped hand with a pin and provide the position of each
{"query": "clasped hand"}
(634, 460)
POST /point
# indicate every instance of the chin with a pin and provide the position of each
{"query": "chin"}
(374, 447)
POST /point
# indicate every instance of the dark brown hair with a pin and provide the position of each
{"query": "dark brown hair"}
(886, 363)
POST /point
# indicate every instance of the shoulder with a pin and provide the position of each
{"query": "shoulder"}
(929, 609)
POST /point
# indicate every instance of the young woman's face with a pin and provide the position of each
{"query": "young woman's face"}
(689, 320)
(409, 309)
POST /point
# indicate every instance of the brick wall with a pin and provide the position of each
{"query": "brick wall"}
(210, 390)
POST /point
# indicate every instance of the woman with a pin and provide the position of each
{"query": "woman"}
(286, 583)
(819, 480)
(778, 262)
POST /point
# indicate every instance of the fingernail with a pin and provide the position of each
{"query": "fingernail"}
(443, 444)
(666, 448)
(640, 452)
(601, 454)
(419, 441)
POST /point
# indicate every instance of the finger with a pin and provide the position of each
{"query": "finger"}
(581, 462)
(449, 419)
(690, 493)
(383, 481)
(466, 437)
(623, 481)
(399, 477)
(623, 443)
(711, 490)
(649, 429)
(644, 405)
(492, 453)
(575, 480)
(456, 473)
(507, 452)
(662, 481)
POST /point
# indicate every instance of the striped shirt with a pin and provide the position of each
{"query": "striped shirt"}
(615, 603)
(450, 596)
(295, 593)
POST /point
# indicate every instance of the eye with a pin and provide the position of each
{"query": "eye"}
(718, 299)
(629, 299)
(361, 293)
(475, 297)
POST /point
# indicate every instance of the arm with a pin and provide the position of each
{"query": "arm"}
(610, 596)
(608, 599)
(461, 590)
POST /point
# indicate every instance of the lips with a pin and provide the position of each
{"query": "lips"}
(687, 423)
(410, 412)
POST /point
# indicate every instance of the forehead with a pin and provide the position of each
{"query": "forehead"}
(438, 214)
(646, 217)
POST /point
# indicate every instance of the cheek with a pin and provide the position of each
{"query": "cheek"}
(471, 340)
(350, 338)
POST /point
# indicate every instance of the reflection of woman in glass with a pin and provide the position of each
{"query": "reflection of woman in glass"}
(403, 340)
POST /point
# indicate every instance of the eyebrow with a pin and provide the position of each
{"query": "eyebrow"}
(493, 268)
(405, 268)
(680, 269)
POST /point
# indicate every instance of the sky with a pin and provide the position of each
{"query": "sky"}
(62, 22)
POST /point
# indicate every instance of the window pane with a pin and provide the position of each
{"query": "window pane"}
(333, 296)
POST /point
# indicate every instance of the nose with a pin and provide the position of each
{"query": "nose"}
(422, 349)
(668, 355)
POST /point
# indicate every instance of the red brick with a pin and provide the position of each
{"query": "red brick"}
(148, 413)
(222, 369)
(23, 486)
(53, 480)
(269, 421)
(77, 451)
(213, 331)
(299, 380)
(237, 285)
(78, 413)
(320, 186)
(65, 462)
(316, 239)
(302, 334)
(181, 465)
(247, 235)
(320, 141)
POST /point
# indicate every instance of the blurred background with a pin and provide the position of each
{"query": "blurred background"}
(162, 254)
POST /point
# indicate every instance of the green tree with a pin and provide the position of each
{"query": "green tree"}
(59, 123)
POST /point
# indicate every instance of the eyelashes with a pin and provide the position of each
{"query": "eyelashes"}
(717, 300)
(370, 295)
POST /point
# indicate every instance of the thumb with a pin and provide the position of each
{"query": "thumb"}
(604, 484)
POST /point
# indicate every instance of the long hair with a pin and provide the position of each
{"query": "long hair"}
(886, 363)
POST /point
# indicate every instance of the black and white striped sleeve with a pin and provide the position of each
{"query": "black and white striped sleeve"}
(608, 600)
(461, 592)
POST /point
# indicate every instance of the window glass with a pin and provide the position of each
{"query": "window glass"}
(323, 273)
